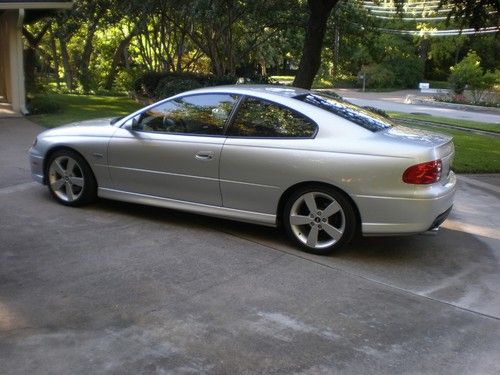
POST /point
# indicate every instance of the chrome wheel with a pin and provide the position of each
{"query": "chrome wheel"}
(66, 178)
(317, 220)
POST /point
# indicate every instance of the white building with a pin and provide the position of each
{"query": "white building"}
(12, 15)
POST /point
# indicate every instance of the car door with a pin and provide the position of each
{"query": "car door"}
(172, 150)
(266, 143)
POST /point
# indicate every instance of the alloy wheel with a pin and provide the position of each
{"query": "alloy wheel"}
(317, 220)
(66, 178)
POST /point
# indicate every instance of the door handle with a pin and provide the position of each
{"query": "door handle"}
(204, 155)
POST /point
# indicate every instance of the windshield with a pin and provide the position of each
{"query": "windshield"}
(351, 112)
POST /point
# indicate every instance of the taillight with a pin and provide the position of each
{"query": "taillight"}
(423, 173)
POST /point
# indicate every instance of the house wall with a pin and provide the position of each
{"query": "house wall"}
(11, 59)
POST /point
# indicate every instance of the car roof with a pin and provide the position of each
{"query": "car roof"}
(278, 90)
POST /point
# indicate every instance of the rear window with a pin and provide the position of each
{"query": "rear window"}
(351, 112)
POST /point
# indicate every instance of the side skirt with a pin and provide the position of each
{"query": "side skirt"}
(198, 208)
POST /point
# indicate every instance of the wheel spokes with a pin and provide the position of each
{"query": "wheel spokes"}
(70, 166)
(69, 192)
(299, 220)
(58, 168)
(332, 209)
(78, 181)
(317, 219)
(312, 238)
(311, 203)
(332, 231)
(57, 184)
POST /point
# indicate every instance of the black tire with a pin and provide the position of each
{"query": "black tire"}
(70, 193)
(331, 231)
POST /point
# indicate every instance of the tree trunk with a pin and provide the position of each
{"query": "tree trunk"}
(86, 54)
(319, 11)
(68, 70)
(30, 55)
(55, 57)
(119, 55)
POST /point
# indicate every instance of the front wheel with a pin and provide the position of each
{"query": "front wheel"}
(70, 179)
(319, 219)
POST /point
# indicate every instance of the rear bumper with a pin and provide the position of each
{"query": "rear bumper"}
(397, 216)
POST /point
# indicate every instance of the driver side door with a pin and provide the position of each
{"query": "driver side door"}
(173, 149)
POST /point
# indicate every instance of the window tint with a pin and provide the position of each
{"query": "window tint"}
(351, 112)
(195, 114)
(260, 118)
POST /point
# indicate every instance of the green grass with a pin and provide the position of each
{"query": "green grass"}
(287, 79)
(84, 107)
(474, 153)
(448, 121)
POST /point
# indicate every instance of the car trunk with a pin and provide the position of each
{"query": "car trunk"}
(438, 146)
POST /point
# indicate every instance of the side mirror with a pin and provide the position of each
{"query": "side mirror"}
(132, 124)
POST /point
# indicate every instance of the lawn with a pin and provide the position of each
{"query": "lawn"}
(474, 153)
(84, 107)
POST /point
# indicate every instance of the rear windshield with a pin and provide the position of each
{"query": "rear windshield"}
(351, 112)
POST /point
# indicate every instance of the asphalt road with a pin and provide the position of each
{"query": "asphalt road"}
(121, 288)
(387, 105)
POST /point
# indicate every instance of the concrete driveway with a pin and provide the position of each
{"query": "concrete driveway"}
(120, 288)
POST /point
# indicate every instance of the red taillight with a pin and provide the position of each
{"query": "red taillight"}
(424, 173)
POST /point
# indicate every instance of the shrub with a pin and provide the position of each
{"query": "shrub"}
(42, 105)
(467, 72)
(169, 86)
(408, 71)
(378, 76)
(377, 111)
(148, 84)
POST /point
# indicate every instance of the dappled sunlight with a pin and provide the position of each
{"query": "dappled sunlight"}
(477, 230)
(9, 319)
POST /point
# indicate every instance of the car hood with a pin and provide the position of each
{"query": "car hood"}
(94, 127)
(93, 123)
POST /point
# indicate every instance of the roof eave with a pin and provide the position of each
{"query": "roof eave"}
(37, 5)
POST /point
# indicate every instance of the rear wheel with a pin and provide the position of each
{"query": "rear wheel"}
(319, 219)
(70, 179)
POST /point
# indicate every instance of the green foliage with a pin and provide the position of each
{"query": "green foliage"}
(108, 43)
(466, 72)
(378, 76)
(408, 71)
(163, 84)
(42, 104)
(377, 111)
(169, 86)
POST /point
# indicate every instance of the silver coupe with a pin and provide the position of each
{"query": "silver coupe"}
(320, 167)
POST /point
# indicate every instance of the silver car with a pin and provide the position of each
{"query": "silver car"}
(319, 167)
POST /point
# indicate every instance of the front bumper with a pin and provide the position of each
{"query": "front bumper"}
(395, 216)
(36, 164)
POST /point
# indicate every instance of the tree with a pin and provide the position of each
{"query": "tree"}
(319, 12)
(468, 73)
(466, 12)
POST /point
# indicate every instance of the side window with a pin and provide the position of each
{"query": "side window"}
(203, 114)
(260, 118)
